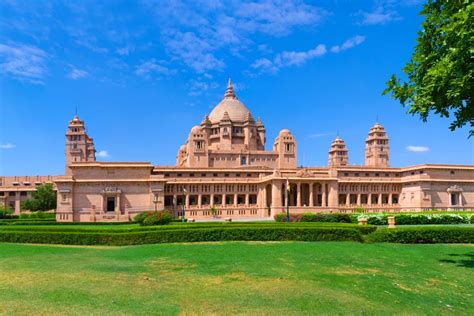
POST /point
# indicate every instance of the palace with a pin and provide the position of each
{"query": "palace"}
(224, 170)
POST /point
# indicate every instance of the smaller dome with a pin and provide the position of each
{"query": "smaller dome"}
(182, 148)
(338, 140)
(377, 126)
(196, 129)
(284, 132)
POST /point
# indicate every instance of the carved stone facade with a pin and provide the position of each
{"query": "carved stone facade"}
(223, 170)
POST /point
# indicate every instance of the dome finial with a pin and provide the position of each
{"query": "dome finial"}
(230, 91)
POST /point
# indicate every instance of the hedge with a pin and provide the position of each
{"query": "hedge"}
(420, 219)
(423, 235)
(184, 235)
(73, 227)
(315, 217)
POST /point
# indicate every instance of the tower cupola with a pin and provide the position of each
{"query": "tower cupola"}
(79, 146)
(338, 153)
(377, 150)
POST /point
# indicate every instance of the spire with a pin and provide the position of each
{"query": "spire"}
(206, 121)
(249, 118)
(230, 91)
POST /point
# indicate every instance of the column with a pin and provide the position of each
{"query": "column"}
(369, 199)
(247, 199)
(224, 200)
(298, 194)
(276, 197)
(390, 196)
(17, 203)
(333, 195)
(311, 195)
(212, 200)
(199, 200)
(380, 199)
(264, 197)
(175, 201)
(348, 199)
(235, 200)
(323, 195)
(460, 199)
(359, 200)
(187, 200)
(117, 204)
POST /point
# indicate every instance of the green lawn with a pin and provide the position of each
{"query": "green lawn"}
(251, 278)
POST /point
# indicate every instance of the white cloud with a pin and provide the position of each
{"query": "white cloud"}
(7, 146)
(350, 43)
(103, 154)
(125, 51)
(195, 51)
(198, 87)
(75, 73)
(23, 62)
(288, 58)
(277, 17)
(198, 33)
(293, 58)
(379, 15)
(153, 67)
(418, 149)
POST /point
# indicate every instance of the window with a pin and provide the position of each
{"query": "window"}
(191, 175)
(237, 175)
(203, 175)
(167, 175)
(249, 175)
(376, 174)
(226, 175)
(452, 172)
(23, 193)
(179, 174)
(243, 161)
(215, 175)
(346, 174)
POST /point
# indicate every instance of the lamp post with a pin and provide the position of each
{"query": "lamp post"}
(184, 204)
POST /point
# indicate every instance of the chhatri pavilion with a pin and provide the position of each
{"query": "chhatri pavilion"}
(223, 169)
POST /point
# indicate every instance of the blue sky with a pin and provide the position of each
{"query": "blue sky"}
(142, 73)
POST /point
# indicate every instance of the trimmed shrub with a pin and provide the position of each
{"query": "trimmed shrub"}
(184, 235)
(38, 216)
(5, 212)
(420, 219)
(140, 217)
(315, 217)
(154, 218)
(423, 235)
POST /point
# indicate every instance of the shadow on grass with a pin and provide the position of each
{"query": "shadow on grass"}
(461, 260)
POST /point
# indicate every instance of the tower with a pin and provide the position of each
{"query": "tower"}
(338, 153)
(377, 150)
(79, 146)
(285, 147)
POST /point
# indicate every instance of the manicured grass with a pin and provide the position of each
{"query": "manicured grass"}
(237, 277)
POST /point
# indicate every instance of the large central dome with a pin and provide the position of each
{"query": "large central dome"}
(236, 110)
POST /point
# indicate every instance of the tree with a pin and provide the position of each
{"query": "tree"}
(43, 199)
(441, 70)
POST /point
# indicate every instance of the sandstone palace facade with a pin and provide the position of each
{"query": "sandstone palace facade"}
(223, 166)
